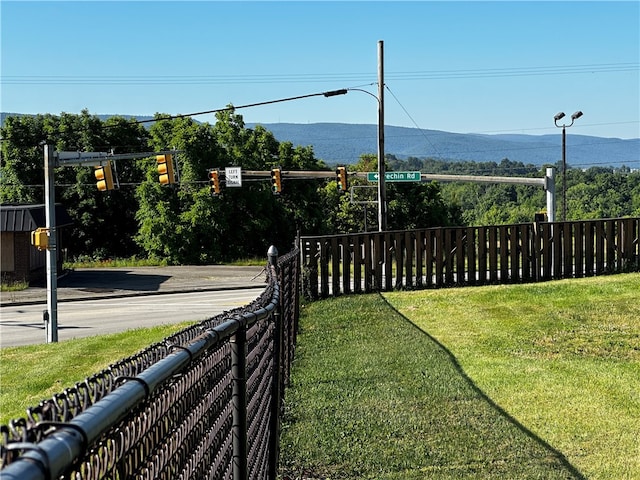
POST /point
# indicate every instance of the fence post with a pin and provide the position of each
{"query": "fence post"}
(276, 388)
(238, 343)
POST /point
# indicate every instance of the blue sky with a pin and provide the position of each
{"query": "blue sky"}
(469, 67)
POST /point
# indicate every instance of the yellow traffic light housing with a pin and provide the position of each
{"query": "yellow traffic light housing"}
(214, 182)
(40, 238)
(104, 177)
(341, 178)
(276, 181)
(165, 169)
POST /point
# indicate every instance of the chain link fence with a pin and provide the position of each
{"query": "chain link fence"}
(205, 403)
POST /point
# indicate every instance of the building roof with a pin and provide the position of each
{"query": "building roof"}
(25, 218)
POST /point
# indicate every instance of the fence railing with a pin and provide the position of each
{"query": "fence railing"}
(457, 256)
(204, 403)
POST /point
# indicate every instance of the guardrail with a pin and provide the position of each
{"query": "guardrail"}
(458, 256)
(203, 403)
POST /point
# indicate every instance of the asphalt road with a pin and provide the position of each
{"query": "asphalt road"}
(97, 301)
(23, 324)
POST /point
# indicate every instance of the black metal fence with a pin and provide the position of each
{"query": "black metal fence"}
(204, 403)
(458, 256)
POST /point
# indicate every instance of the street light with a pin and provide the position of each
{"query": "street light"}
(559, 116)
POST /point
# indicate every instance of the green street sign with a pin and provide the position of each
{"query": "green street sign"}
(395, 176)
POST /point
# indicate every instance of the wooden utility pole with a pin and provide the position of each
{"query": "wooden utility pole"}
(382, 191)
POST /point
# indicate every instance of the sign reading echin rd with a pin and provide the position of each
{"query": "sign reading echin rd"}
(395, 176)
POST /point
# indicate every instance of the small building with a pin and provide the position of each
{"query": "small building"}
(19, 260)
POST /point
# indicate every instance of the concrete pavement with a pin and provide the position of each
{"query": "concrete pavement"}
(92, 283)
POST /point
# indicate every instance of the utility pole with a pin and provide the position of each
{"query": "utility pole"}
(51, 317)
(382, 192)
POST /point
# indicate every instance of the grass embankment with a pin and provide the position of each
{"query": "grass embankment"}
(33, 373)
(148, 262)
(518, 382)
(87, 262)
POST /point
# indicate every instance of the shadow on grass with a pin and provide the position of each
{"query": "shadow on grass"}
(551, 457)
(373, 396)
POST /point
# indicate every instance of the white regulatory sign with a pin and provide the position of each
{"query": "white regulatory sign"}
(233, 176)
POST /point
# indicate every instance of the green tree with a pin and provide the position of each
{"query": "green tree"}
(171, 219)
(102, 221)
(185, 224)
(22, 167)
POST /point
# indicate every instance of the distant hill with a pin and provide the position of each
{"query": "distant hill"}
(343, 143)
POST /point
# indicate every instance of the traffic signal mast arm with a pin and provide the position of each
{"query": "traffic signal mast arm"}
(424, 177)
(63, 159)
(300, 174)
(103, 161)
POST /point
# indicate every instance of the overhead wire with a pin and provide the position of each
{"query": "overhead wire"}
(279, 78)
(155, 79)
(441, 156)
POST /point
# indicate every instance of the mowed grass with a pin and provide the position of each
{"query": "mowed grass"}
(30, 374)
(537, 381)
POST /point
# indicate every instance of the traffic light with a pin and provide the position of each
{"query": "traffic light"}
(276, 181)
(214, 182)
(165, 169)
(104, 177)
(341, 174)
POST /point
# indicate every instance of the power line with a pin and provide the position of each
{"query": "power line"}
(466, 152)
(154, 79)
(412, 120)
(232, 108)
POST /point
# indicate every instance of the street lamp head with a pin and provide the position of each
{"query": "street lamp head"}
(558, 116)
(576, 115)
(333, 93)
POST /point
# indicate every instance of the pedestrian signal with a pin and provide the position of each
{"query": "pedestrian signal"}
(40, 238)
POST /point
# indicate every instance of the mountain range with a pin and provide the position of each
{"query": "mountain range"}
(340, 143)
(344, 143)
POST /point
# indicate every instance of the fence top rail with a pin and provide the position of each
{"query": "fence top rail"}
(506, 225)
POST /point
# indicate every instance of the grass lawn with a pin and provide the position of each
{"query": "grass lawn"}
(509, 382)
(537, 381)
(33, 373)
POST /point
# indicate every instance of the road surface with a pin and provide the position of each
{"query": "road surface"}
(23, 324)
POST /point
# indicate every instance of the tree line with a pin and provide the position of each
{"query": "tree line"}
(185, 224)
(594, 193)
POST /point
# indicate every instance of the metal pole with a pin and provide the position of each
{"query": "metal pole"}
(51, 255)
(276, 388)
(238, 343)
(564, 173)
(382, 194)
(551, 194)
